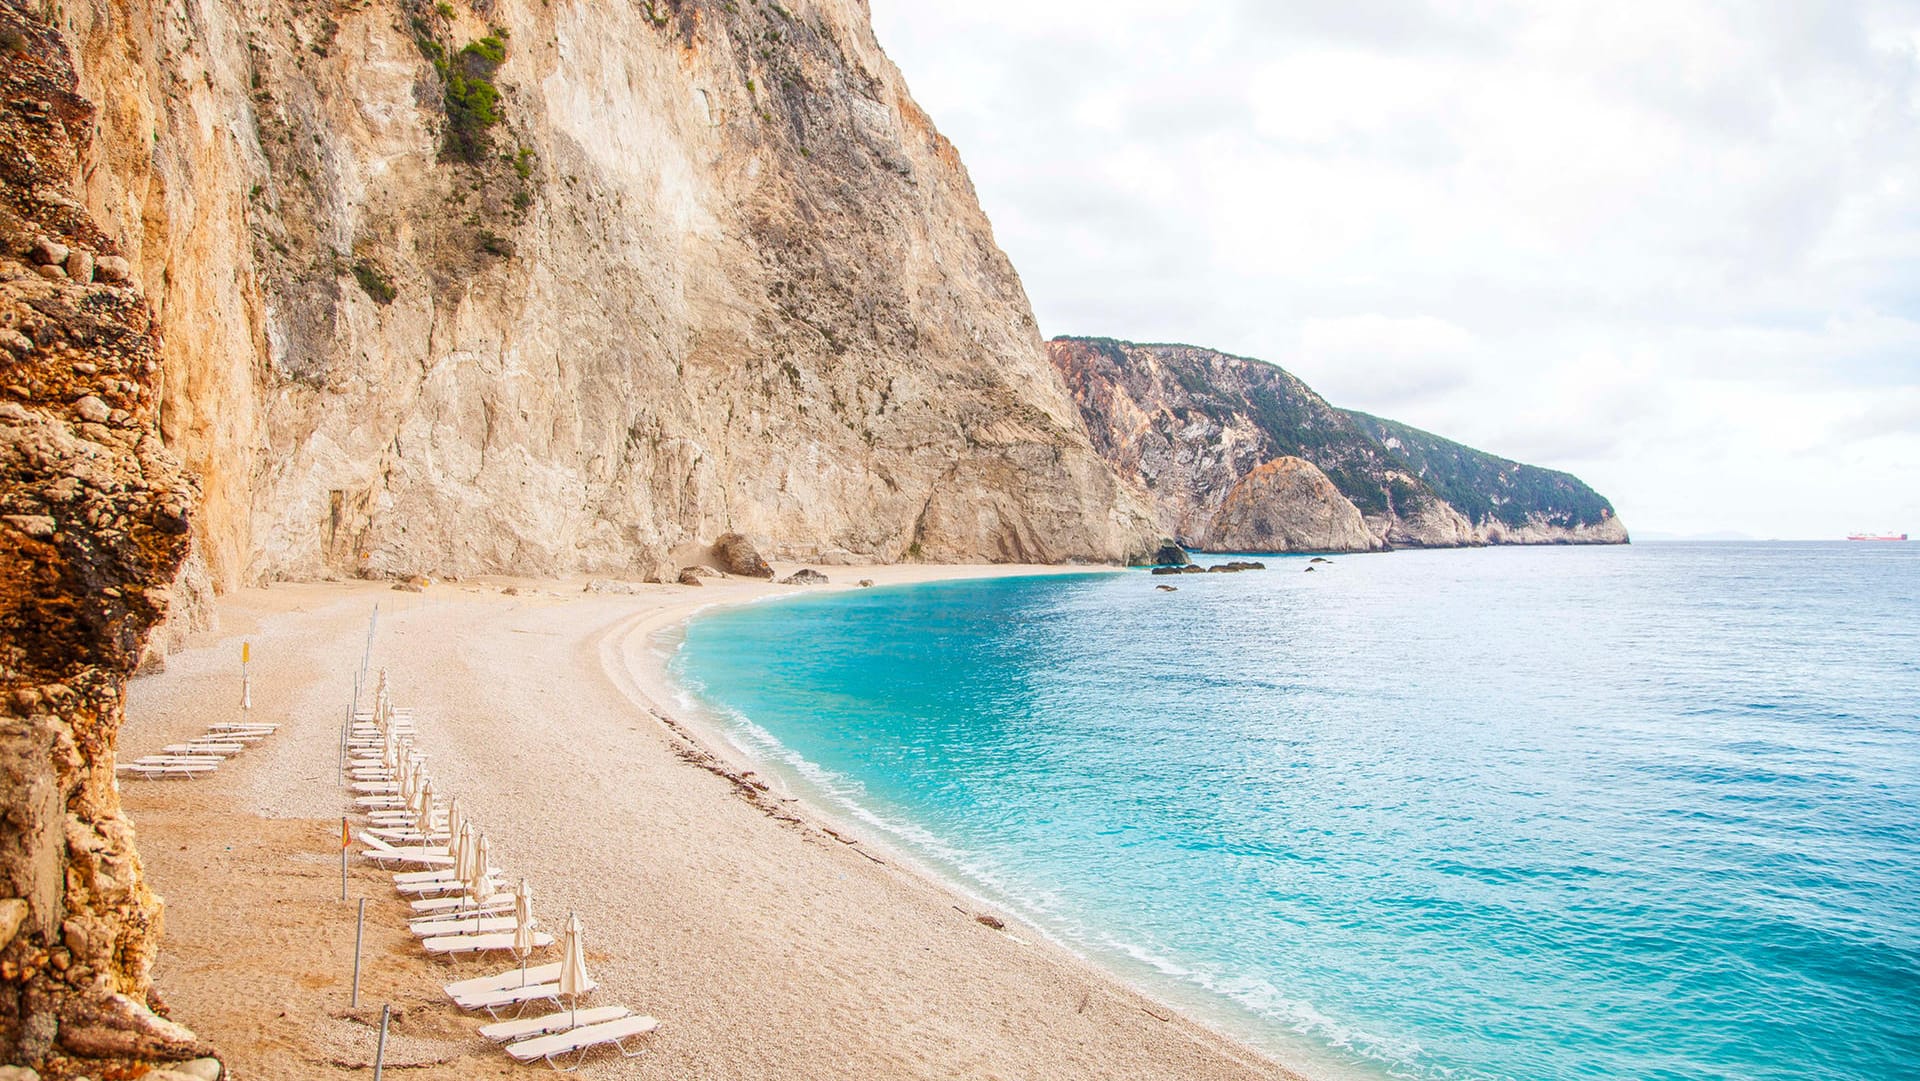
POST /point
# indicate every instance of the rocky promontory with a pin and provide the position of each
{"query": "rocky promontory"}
(1237, 454)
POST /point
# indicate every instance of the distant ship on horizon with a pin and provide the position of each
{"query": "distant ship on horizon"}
(1877, 536)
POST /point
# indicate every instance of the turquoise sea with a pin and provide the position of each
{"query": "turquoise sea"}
(1523, 813)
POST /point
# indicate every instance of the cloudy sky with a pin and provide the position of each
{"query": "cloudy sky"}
(1673, 247)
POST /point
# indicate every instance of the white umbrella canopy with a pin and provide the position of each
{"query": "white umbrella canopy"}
(482, 883)
(454, 820)
(462, 851)
(390, 753)
(523, 926)
(477, 878)
(419, 775)
(573, 962)
(423, 814)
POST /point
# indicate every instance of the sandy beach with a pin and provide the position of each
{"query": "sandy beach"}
(770, 942)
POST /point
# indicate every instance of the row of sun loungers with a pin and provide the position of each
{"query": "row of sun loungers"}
(461, 906)
(199, 755)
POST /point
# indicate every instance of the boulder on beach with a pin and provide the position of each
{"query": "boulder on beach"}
(737, 555)
(805, 576)
(689, 577)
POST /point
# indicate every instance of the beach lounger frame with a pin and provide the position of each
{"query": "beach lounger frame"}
(580, 1041)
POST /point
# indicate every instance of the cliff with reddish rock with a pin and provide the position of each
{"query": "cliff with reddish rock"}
(1219, 442)
(94, 518)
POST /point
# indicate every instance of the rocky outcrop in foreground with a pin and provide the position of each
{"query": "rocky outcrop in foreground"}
(1210, 438)
(93, 527)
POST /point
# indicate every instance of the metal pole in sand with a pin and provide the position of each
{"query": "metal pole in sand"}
(380, 1049)
(359, 930)
(346, 842)
(246, 682)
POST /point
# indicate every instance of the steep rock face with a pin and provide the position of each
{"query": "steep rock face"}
(1506, 501)
(1187, 424)
(679, 269)
(1288, 505)
(93, 527)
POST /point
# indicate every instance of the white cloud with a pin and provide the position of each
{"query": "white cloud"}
(1672, 247)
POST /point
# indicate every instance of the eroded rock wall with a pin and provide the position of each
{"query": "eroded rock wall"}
(94, 519)
(709, 270)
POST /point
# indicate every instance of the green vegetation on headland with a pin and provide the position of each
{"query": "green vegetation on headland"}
(1485, 486)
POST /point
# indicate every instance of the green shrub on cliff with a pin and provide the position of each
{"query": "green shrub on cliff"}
(472, 101)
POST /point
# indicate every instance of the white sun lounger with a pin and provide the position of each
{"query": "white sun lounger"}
(395, 855)
(582, 1040)
(517, 995)
(408, 839)
(480, 923)
(498, 940)
(380, 851)
(513, 977)
(216, 750)
(441, 905)
(438, 887)
(178, 760)
(528, 1027)
(442, 874)
(184, 772)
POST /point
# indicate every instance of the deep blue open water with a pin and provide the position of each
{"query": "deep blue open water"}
(1647, 812)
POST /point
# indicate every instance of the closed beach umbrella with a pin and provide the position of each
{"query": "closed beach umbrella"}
(389, 754)
(483, 882)
(462, 851)
(523, 926)
(573, 963)
(478, 868)
(423, 814)
(453, 823)
(419, 775)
